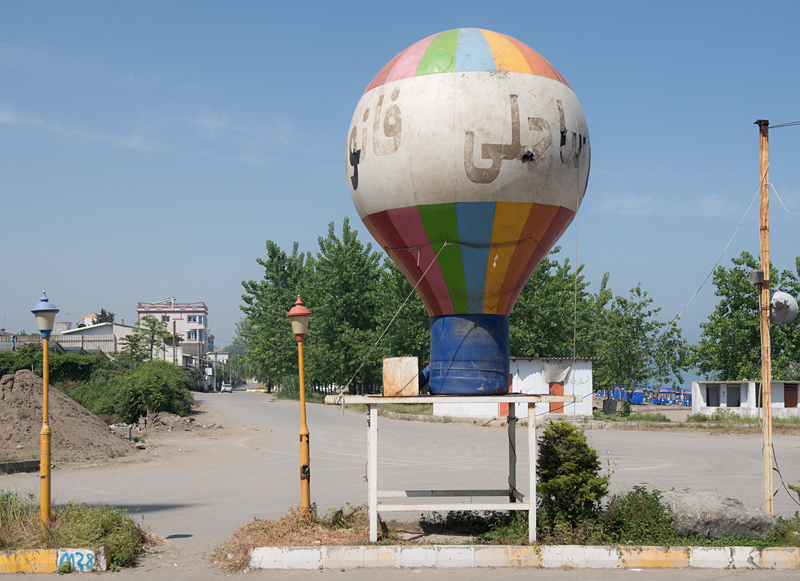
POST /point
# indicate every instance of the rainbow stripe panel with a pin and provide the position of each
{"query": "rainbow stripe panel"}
(463, 50)
(499, 245)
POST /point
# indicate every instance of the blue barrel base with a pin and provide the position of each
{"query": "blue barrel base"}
(469, 355)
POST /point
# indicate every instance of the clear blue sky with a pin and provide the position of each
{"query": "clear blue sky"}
(148, 149)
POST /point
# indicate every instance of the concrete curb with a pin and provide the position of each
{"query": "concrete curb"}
(545, 556)
(48, 560)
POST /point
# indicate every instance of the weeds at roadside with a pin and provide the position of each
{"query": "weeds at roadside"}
(72, 525)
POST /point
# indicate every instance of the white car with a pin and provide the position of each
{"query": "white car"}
(226, 387)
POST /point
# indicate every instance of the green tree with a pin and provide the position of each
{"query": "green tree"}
(152, 387)
(104, 317)
(570, 487)
(730, 341)
(132, 349)
(409, 333)
(152, 331)
(344, 301)
(265, 332)
(635, 347)
(542, 323)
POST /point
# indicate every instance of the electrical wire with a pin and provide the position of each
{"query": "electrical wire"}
(781, 201)
(413, 290)
(716, 264)
(790, 124)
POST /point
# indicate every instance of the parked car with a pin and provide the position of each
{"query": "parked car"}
(226, 387)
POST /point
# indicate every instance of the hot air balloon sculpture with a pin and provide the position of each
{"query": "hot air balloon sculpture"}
(467, 158)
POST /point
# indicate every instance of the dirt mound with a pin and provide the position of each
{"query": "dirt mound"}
(76, 433)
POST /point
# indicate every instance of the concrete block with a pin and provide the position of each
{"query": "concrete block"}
(711, 558)
(382, 557)
(488, 556)
(600, 558)
(84, 560)
(37, 561)
(268, 558)
(344, 557)
(417, 557)
(459, 556)
(655, 557)
(304, 558)
(780, 558)
(745, 557)
(561, 556)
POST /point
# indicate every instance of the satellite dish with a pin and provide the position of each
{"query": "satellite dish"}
(783, 308)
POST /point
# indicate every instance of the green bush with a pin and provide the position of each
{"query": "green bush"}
(570, 486)
(290, 386)
(152, 387)
(63, 366)
(72, 525)
(638, 517)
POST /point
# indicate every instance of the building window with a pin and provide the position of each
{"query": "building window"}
(165, 318)
(199, 335)
(194, 319)
(192, 336)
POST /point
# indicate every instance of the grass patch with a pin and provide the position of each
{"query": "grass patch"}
(657, 417)
(723, 416)
(72, 526)
(345, 526)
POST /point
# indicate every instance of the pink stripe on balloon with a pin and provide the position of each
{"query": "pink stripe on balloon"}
(409, 226)
(406, 66)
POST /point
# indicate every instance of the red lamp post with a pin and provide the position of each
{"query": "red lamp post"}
(299, 316)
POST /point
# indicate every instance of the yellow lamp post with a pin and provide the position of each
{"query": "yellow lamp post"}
(299, 316)
(45, 313)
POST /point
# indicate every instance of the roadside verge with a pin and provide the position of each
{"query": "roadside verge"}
(545, 556)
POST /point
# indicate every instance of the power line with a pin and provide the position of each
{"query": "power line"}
(790, 124)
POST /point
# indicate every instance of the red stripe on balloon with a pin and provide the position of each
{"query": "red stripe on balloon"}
(537, 224)
(560, 222)
(409, 225)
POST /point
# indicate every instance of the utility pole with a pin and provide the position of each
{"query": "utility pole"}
(764, 304)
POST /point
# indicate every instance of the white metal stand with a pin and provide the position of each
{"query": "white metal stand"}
(516, 500)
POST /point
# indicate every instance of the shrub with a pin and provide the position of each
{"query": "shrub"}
(152, 387)
(570, 487)
(639, 517)
(290, 386)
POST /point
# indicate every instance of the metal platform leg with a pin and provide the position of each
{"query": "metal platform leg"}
(532, 469)
(372, 470)
(512, 452)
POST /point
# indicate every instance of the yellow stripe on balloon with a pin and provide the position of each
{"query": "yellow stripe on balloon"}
(506, 56)
(509, 220)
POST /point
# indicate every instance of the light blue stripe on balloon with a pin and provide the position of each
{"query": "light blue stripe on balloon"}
(473, 52)
(475, 221)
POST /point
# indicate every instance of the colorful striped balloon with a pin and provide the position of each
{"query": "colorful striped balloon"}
(471, 140)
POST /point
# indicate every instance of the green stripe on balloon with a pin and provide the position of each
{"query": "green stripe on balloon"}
(441, 223)
(441, 55)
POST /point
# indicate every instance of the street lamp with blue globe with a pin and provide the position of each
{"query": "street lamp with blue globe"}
(45, 313)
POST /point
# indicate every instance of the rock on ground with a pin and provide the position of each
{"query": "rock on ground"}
(76, 433)
(716, 516)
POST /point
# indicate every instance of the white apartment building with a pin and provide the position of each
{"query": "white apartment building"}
(189, 321)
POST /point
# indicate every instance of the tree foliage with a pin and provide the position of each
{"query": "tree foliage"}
(355, 298)
(635, 347)
(104, 317)
(730, 341)
(570, 487)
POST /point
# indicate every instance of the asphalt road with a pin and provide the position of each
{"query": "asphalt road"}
(199, 487)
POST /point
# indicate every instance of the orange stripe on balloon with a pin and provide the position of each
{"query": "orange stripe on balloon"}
(509, 220)
(560, 222)
(539, 65)
(507, 56)
(536, 225)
